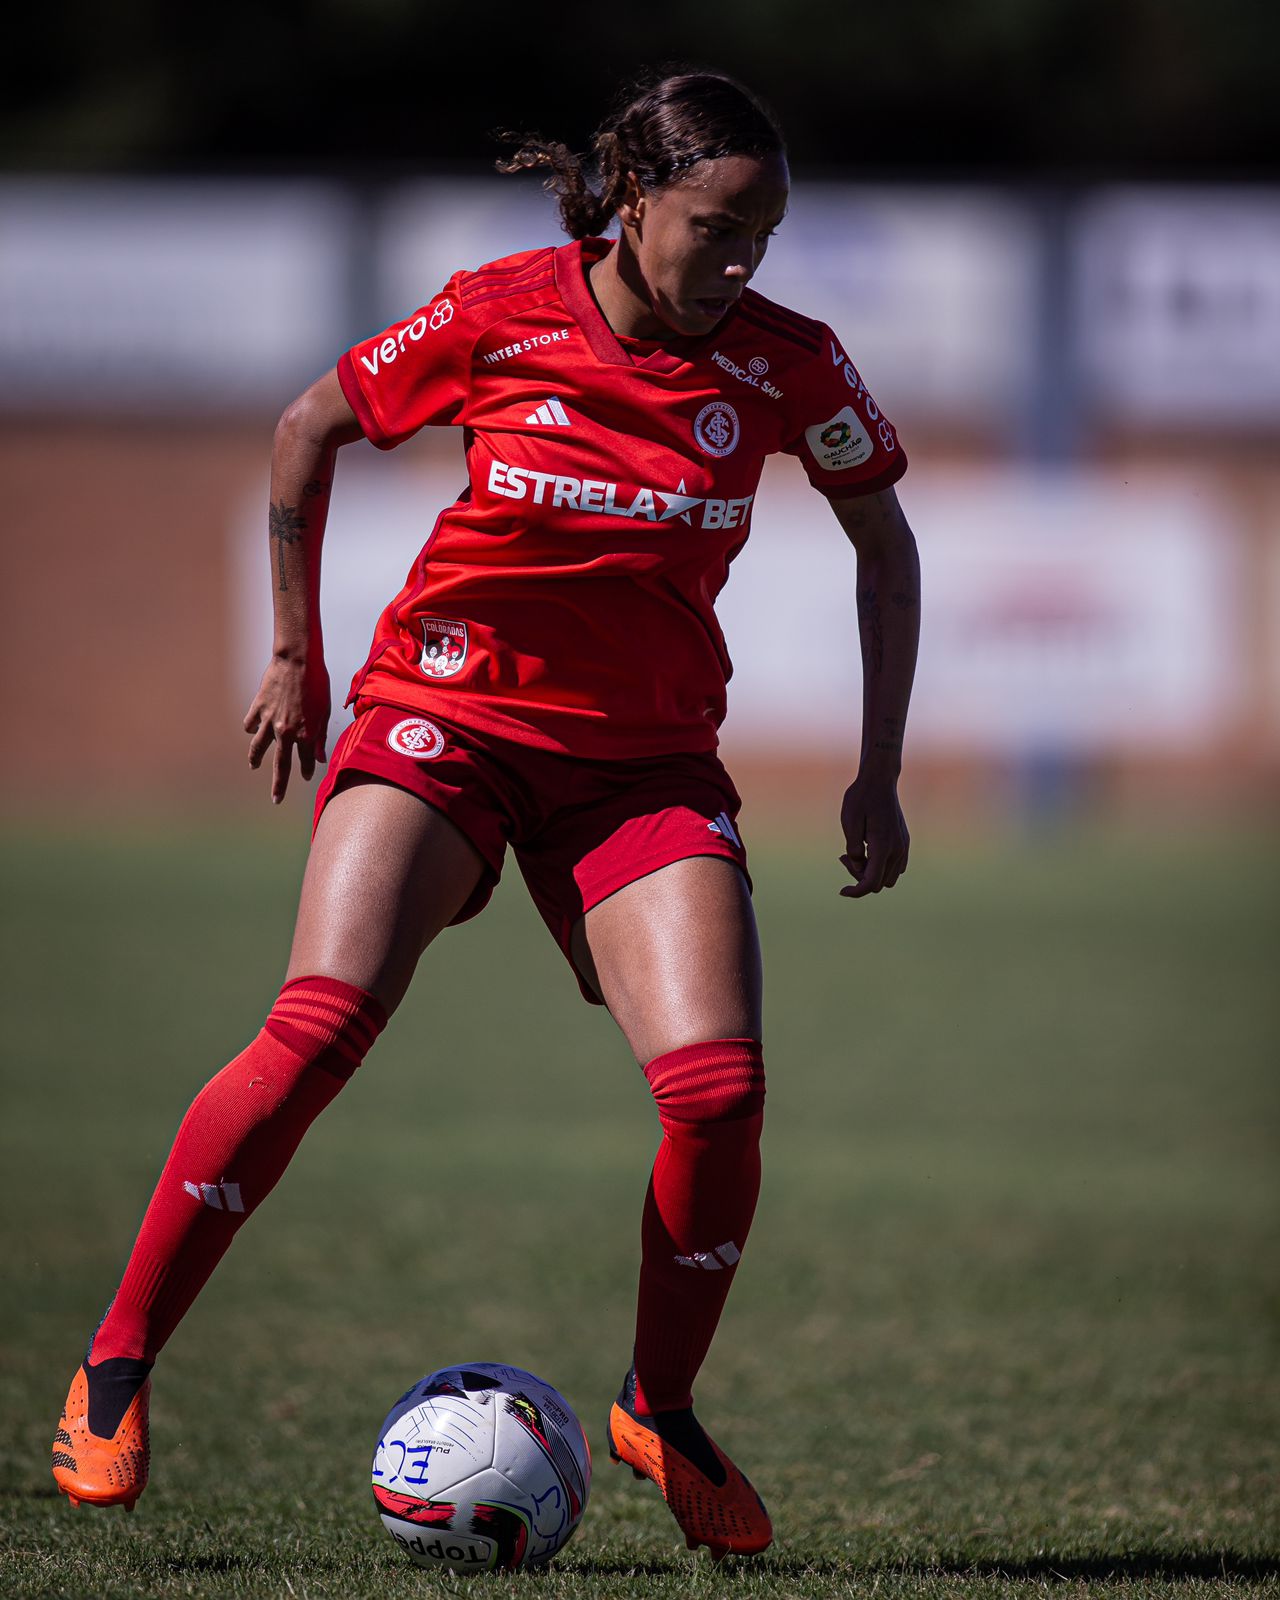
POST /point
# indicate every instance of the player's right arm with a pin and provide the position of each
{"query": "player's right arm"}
(291, 707)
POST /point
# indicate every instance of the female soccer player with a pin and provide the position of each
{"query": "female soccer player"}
(552, 677)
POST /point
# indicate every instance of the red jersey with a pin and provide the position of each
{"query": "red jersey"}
(565, 600)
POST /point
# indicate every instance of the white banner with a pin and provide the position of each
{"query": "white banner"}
(1064, 614)
(1077, 612)
(126, 293)
(932, 291)
(1177, 306)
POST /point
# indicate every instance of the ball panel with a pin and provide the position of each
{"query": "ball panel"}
(479, 1467)
(535, 1424)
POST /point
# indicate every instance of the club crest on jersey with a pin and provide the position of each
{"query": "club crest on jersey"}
(843, 441)
(444, 647)
(416, 738)
(716, 428)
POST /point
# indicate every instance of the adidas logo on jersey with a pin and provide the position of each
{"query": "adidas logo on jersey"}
(550, 414)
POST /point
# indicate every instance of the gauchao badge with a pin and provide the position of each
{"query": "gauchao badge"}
(444, 647)
(842, 442)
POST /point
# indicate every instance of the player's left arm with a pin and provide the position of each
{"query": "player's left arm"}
(888, 589)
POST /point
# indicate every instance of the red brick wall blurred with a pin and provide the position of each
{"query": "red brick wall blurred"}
(117, 640)
(116, 594)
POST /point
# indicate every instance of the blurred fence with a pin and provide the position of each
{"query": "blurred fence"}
(1088, 384)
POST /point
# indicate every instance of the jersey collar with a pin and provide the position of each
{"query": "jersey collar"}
(572, 262)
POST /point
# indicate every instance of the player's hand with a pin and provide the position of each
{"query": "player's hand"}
(291, 711)
(875, 834)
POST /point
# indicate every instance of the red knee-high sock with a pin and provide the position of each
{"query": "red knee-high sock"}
(231, 1150)
(701, 1199)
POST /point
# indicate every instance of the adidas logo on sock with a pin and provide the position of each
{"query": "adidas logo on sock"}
(218, 1196)
(550, 414)
(724, 1255)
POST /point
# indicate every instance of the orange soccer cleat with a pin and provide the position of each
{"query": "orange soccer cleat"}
(102, 1471)
(711, 1500)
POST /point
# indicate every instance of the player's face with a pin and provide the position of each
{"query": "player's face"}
(698, 243)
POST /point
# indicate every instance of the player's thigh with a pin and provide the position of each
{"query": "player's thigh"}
(676, 956)
(386, 873)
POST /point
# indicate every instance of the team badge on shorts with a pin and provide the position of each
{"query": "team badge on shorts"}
(416, 738)
(444, 647)
(716, 428)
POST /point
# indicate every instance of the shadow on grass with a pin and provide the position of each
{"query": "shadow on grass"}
(1169, 1566)
(222, 1561)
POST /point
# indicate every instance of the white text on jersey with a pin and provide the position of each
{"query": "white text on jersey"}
(609, 499)
(435, 317)
(522, 345)
(854, 379)
(757, 380)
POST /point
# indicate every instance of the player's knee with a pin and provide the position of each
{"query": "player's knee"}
(330, 1024)
(721, 1080)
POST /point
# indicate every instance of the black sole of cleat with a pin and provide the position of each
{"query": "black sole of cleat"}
(635, 1471)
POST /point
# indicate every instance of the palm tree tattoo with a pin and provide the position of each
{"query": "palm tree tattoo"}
(287, 527)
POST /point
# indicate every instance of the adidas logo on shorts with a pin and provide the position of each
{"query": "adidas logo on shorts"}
(725, 828)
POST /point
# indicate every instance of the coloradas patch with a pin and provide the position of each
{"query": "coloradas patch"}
(416, 738)
(842, 442)
(444, 647)
(716, 428)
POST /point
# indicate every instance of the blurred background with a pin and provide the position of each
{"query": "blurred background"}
(1012, 1282)
(1050, 236)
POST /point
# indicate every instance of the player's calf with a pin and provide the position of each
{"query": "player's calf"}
(232, 1148)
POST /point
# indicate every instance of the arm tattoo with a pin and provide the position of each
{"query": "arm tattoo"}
(286, 527)
(869, 627)
(316, 486)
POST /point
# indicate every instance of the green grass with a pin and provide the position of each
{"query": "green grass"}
(1007, 1324)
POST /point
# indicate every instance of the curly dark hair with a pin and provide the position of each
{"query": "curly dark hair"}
(662, 125)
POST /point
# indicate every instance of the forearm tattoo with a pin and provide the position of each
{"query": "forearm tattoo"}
(286, 527)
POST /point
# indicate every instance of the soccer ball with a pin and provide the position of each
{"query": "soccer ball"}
(481, 1467)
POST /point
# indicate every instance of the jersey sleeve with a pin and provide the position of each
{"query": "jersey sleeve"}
(847, 444)
(413, 374)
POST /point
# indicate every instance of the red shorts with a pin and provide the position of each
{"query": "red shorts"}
(581, 830)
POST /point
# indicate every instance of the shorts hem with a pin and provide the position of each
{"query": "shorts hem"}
(646, 868)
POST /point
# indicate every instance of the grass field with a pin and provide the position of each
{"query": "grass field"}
(1007, 1324)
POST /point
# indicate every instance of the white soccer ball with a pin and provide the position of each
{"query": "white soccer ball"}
(481, 1467)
